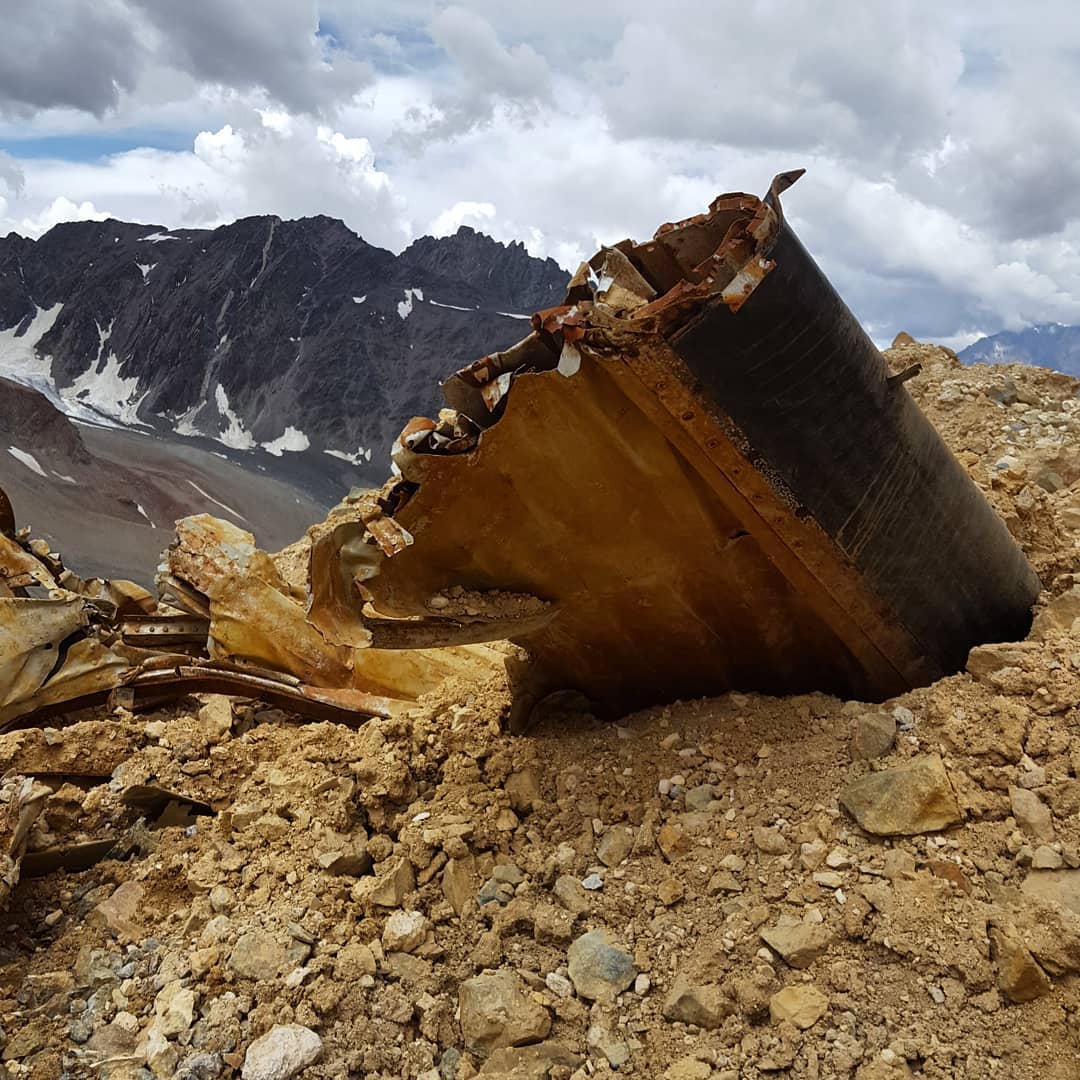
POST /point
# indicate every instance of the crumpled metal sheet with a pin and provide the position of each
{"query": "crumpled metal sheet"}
(254, 618)
(701, 463)
(22, 800)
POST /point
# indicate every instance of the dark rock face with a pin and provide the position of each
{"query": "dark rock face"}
(30, 422)
(261, 329)
(1051, 345)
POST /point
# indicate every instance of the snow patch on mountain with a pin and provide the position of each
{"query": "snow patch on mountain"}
(361, 455)
(19, 358)
(291, 440)
(106, 393)
(145, 268)
(28, 460)
(404, 308)
(216, 502)
(235, 436)
(157, 237)
(359, 299)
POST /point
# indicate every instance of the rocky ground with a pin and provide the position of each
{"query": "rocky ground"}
(740, 887)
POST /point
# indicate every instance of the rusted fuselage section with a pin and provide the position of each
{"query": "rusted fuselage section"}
(702, 465)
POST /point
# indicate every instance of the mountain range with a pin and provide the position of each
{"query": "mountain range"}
(284, 336)
(1051, 345)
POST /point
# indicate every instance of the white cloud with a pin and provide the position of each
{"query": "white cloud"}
(466, 212)
(943, 193)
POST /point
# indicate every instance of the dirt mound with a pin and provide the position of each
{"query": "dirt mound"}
(738, 887)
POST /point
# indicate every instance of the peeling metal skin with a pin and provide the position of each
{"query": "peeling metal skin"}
(701, 461)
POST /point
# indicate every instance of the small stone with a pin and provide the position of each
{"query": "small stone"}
(829, 879)
(700, 798)
(601, 1040)
(216, 717)
(523, 788)
(874, 736)
(706, 1006)
(838, 859)
(642, 985)
(672, 841)
(459, 882)
(257, 955)
(1060, 887)
(799, 944)
(352, 961)
(282, 1053)
(507, 874)
(899, 864)
(615, 845)
(769, 841)
(174, 1007)
(599, 969)
(1019, 977)
(1058, 617)
(723, 881)
(689, 1068)
(120, 912)
(569, 892)
(670, 891)
(592, 882)
(904, 717)
(525, 1062)
(506, 820)
(404, 931)
(222, 899)
(812, 854)
(1031, 813)
(910, 799)
(389, 887)
(558, 984)
(985, 660)
(497, 1011)
(803, 1005)
(1046, 858)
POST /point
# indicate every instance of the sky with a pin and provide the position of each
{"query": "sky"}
(942, 149)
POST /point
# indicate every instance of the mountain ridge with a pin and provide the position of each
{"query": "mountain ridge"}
(1052, 345)
(287, 335)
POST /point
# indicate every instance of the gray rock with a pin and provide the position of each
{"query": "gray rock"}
(283, 1052)
(1031, 813)
(700, 797)
(874, 736)
(598, 968)
(257, 955)
(497, 1011)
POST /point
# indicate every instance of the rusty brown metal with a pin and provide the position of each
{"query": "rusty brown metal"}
(701, 461)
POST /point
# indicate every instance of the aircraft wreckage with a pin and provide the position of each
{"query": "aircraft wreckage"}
(695, 475)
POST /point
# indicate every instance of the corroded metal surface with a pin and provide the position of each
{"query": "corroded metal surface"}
(694, 475)
(702, 462)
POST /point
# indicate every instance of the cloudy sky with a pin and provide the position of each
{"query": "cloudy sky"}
(941, 141)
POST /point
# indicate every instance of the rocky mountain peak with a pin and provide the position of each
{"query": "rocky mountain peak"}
(292, 336)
